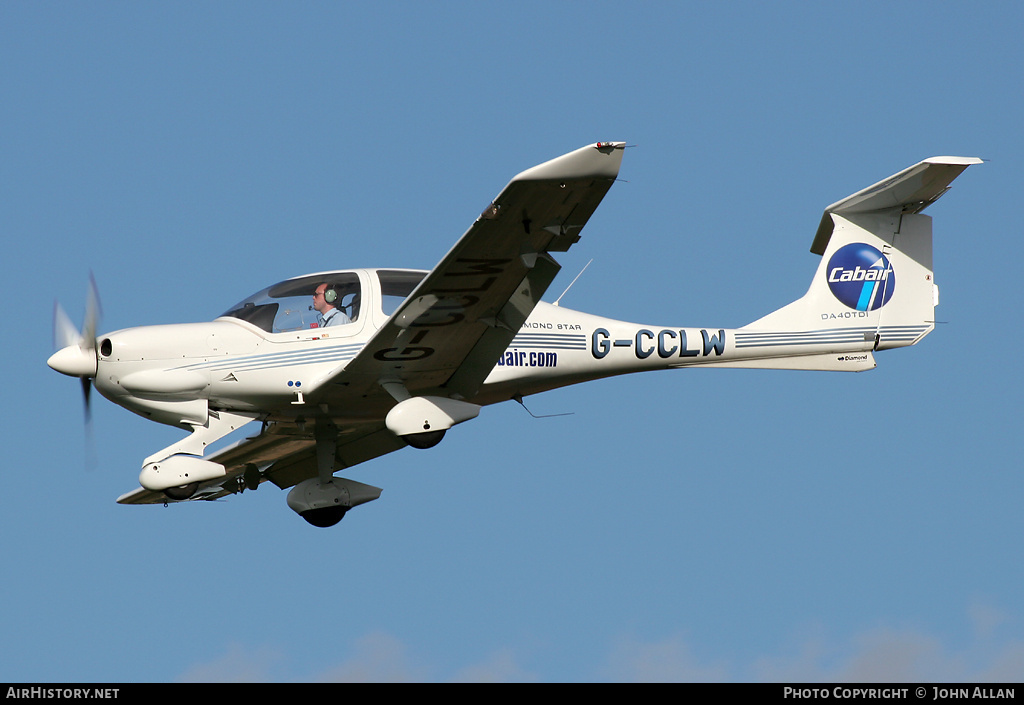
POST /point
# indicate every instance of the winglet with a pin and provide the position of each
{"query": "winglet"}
(911, 190)
(600, 160)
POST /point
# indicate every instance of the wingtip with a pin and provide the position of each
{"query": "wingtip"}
(954, 161)
(595, 160)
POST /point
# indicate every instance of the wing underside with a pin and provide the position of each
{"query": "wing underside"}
(449, 333)
(281, 454)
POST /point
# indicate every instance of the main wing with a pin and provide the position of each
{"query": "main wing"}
(448, 334)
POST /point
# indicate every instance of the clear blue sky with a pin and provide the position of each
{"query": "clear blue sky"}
(708, 525)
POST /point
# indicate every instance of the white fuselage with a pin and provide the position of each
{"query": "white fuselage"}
(175, 373)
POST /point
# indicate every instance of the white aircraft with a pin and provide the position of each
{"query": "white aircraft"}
(341, 367)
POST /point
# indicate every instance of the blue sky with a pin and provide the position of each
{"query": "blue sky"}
(694, 525)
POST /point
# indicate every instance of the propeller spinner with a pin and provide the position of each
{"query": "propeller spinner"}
(76, 351)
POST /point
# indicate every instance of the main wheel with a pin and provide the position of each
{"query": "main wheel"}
(325, 516)
(183, 492)
(427, 439)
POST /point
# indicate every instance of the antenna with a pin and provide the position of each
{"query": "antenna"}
(567, 291)
(519, 398)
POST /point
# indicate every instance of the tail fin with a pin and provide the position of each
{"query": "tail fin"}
(874, 288)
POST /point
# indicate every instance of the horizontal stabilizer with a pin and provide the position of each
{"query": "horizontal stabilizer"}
(911, 190)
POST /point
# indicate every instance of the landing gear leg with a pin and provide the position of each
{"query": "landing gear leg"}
(325, 503)
(326, 435)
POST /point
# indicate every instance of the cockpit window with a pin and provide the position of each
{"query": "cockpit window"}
(395, 287)
(291, 306)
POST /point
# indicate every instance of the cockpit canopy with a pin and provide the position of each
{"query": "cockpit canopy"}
(288, 305)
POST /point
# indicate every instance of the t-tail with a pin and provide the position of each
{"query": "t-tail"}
(874, 289)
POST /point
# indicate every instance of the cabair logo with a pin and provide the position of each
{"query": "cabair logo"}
(861, 277)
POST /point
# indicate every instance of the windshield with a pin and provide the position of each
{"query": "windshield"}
(307, 302)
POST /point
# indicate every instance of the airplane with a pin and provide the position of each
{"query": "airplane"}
(409, 354)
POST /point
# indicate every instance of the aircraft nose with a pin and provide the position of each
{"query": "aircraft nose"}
(74, 361)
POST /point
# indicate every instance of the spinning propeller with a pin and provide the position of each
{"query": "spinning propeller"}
(76, 351)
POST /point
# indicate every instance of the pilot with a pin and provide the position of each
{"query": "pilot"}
(324, 299)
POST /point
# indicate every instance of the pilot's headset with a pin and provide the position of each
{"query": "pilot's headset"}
(331, 295)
